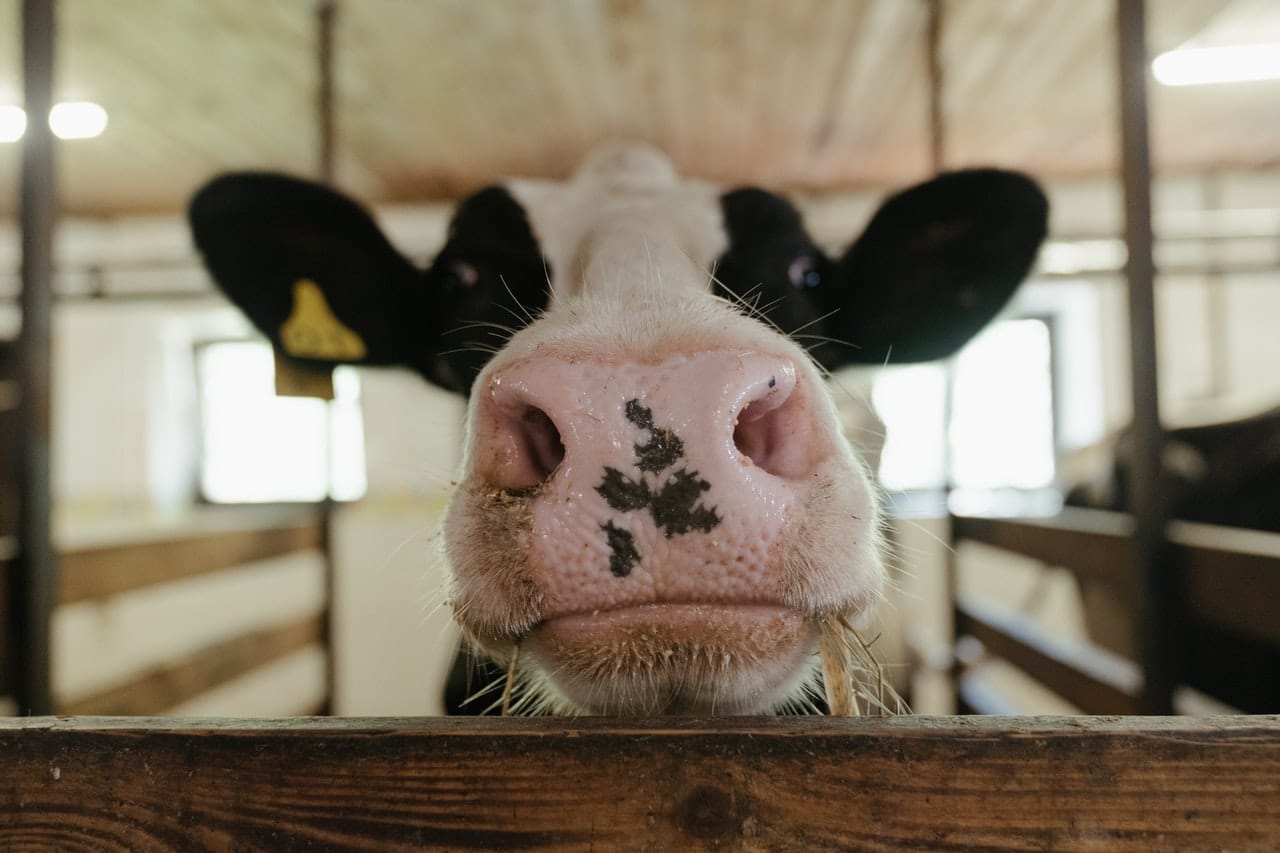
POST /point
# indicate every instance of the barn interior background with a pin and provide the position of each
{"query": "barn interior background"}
(162, 400)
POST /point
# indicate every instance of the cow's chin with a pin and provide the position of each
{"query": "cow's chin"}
(677, 658)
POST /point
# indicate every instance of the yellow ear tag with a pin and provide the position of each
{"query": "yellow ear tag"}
(312, 330)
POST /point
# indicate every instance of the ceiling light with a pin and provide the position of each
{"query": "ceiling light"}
(1194, 66)
(77, 120)
(13, 123)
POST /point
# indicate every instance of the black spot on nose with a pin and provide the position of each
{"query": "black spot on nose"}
(623, 555)
(663, 449)
(672, 502)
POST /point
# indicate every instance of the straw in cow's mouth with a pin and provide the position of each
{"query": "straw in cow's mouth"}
(851, 672)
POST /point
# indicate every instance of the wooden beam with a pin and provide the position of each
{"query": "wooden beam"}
(8, 547)
(6, 636)
(8, 360)
(32, 580)
(330, 568)
(1090, 678)
(99, 572)
(326, 132)
(326, 114)
(934, 76)
(1153, 599)
(1231, 577)
(975, 694)
(1092, 543)
(670, 784)
(1233, 668)
(162, 687)
(10, 461)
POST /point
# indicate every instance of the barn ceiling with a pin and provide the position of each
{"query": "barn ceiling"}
(438, 97)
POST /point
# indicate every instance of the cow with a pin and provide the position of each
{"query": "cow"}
(1222, 473)
(656, 507)
(1216, 473)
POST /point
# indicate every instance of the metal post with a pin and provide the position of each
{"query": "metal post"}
(32, 581)
(1151, 584)
(291, 378)
(1216, 325)
(937, 148)
(326, 12)
(933, 66)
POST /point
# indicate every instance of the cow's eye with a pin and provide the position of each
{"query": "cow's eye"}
(463, 274)
(803, 272)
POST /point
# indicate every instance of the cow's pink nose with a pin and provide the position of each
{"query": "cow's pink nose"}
(729, 414)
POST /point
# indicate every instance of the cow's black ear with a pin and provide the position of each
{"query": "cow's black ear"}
(936, 263)
(310, 268)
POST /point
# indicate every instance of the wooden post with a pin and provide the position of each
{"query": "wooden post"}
(1217, 329)
(326, 12)
(32, 580)
(1152, 585)
(937, 157)
(933, 64)
(293, 379)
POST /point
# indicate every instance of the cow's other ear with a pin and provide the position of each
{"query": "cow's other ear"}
(310, 268)
(936, 263)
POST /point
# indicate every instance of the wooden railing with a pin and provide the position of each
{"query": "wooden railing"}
(672, 784)
(1228, 597)
(95, 573)
(1084, 675)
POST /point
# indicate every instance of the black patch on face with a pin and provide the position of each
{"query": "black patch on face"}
(488, 282)
(673, 503)
(771, 269)
(623, 555)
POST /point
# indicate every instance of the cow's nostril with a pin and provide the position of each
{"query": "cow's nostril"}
(770, 433)
(541, 442)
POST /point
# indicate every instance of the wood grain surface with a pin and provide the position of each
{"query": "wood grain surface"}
(949, 783)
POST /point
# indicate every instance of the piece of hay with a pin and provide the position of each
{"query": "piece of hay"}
(511, 680)
(852, 676)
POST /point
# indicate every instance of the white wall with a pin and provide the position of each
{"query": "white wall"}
(393, 632)
(124, 404)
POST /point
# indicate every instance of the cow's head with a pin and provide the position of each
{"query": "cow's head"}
(656, 503)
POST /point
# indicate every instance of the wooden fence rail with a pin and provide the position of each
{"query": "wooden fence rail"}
(1227, 585)
(1083, 674)
(671, 784)
(231, 540)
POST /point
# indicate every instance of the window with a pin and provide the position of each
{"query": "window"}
(1002, 409)
(257, 447)
(1001, 433)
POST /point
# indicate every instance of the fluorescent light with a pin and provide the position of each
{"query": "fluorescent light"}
(77, 120)
(13, 123)
(1233, 64)
(69, 120)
